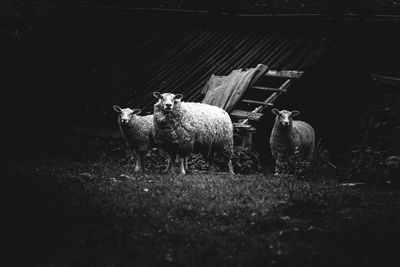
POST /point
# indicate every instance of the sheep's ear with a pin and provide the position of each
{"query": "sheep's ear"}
(157, 95)
(178, 96)
(295, 113)
(117, 108)
(275, 111)
(137, 111)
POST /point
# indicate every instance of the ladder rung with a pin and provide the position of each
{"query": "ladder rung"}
(244, 127)
(284, 73)
(257, 102)
(268, 89)
(242, 114)
(269, 101)
(275, 95)
(241, 125)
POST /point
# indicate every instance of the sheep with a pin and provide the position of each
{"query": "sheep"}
(185, 127)
(137, 132)
(290, 139)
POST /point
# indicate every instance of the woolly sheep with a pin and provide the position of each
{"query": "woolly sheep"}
(185, 127)
(290, 138)
(137, 132)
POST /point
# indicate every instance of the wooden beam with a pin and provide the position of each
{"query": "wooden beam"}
(257, 102)
(313, 16)
(268, 89)
(241, 125)
(242, 114)
(284, 73)
(387, 80)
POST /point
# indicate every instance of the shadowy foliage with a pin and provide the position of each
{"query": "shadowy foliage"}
(246, 160)
(318, 167)
(377, 157)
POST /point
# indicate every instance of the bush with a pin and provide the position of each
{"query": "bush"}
(319, 165)
(245, 160)
(376, 155)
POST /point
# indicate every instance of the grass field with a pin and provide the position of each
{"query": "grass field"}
(82, 210)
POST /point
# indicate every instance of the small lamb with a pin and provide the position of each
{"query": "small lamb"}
(181, 128)
(137, 132)
(290, 138)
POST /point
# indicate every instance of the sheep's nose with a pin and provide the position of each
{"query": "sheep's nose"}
(168, 105)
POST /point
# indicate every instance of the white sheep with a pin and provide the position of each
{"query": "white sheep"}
(290, 139)
(185, 127)
(137, 132)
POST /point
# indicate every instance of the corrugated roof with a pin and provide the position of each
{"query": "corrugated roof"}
(259, 6)
(183, 62)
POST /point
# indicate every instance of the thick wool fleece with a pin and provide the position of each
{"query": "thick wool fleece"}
(194, 127)
(285, 141)
(138, 132)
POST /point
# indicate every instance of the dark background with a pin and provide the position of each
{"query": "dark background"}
(46, 54)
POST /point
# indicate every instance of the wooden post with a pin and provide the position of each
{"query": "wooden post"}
(247, 137)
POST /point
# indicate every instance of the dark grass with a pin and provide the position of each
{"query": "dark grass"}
(94, 211)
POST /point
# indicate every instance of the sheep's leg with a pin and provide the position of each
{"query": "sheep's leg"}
(186, 167)
(172, 162)
(138, 162)
(230, 167)
(168, 164)
(142, 156)
(186, 164)
(310, 153)
(136, 156)
(277, 157)
(182, 161)
(279, 167)
(211, 162)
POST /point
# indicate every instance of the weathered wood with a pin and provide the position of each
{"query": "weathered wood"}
(275, 95)
(386, 80)
(257, 102)
(242, 114)
(241, 125)
(268, 89)
(247, 138)
(284, 73)
(271, 98)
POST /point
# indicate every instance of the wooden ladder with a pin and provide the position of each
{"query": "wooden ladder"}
(252, 104)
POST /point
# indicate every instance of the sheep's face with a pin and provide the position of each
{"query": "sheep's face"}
(126, 114)
(167, 101)
(285, 117)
